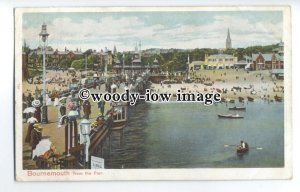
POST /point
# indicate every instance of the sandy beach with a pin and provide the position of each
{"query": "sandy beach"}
(260, 83)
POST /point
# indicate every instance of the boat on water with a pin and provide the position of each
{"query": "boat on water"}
(250, 98)
(237, 108)
(119, 117)
(241, 151)
(230, 116)
(230, 100)
(241, 99)
(277, 98)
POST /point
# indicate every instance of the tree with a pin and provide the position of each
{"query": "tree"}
(91, 59)
(196, 55)
(230, 51)
(65, 62)
(25, 60)
(88, 52)
(77, 64)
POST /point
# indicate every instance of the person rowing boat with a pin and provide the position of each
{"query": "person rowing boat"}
(242, 148)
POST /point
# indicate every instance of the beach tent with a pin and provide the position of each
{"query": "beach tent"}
(248, 66)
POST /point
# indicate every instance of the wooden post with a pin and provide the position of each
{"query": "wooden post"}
(101, 150)
(109, 144)
(66, 137)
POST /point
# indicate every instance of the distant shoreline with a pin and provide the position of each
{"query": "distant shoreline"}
(255, 84)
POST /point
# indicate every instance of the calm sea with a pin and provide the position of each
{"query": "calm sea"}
(190, 135)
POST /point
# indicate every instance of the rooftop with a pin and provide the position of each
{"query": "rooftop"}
(268, 56)
(220, 56)
(197, 63)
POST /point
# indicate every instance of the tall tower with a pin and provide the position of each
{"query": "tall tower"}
(140, 50)
(136, 49)
(115, 50)
(228, 40)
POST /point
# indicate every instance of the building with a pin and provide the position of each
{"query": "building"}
(280, 49)
(155, 67)
(216, 61)
(267, 61)
(53, 57)
(106, 56)
(277, 73)
(219, 61)
(228, 40)
(136, 65)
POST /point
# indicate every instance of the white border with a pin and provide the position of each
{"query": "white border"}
(6, 110)
(163, 174)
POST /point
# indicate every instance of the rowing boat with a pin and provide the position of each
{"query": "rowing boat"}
(230, 116)
(237, 108)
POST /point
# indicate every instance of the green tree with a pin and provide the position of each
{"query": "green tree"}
(197, 55)
(77, 64)
(88, 52)
(91, 59)
(25, 60)
(65, 62)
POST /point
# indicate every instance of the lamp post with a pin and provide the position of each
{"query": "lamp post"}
(85, 66)
(188, 67)
(44, 35)
(132, 66)
(123, 56)
(85, 129)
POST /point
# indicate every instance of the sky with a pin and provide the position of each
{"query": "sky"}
(183, 30)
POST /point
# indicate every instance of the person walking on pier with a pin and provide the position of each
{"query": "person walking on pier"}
(31, 121)
(62, 111)
(101, 105)
(86, 109)
(35, 136)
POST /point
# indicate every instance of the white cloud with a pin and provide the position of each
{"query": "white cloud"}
(125, 31)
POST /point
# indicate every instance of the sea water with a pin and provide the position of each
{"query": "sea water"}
(190, 135)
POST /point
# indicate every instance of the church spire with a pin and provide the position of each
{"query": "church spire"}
(115, 50)
(228, 40)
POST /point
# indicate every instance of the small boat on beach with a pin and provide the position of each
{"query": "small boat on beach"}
(208, 83)
(250, 98)
(230, 116)
(237, 108)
